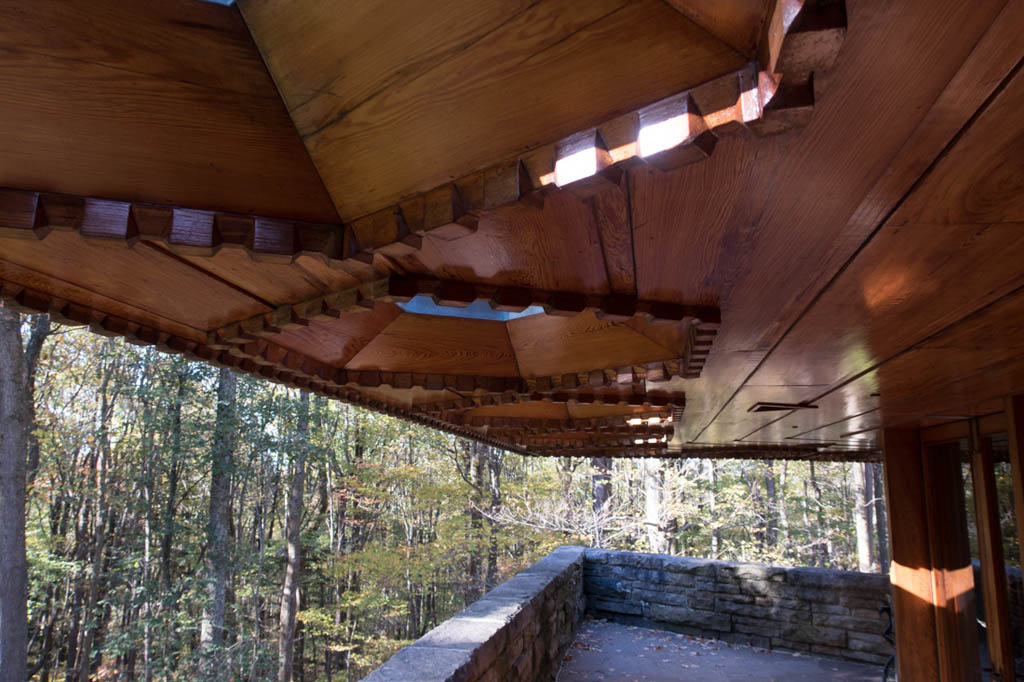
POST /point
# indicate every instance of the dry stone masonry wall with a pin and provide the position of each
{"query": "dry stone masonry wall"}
(520, 630)
(818, 611)
(517, 632)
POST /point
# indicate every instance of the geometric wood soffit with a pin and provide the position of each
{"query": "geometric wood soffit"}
(254, 335)
(29, 301)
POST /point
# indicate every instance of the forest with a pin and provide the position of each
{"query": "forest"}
(184, 522)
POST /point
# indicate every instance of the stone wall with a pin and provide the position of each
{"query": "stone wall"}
(518, 632)
(819, 611)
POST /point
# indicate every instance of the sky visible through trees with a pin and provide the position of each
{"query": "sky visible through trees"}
(183, 522)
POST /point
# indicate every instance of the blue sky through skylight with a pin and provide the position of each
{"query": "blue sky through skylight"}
(477, 310)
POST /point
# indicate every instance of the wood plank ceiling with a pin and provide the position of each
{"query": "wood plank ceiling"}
(810, 204)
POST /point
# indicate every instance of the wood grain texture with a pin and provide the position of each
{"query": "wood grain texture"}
(453, 118)
(157, 102)
(338, 341)
(912, 592)
(956, 626)
(990, 552)
(737, 24)
(140, 277)
(791, 239)
(546, 345)
(445, 345)
(18, 276)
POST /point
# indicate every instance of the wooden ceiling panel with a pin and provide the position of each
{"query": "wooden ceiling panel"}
(276, 283)
(736, 23)
(442, 345)
(799, 222)
(338, 341)
(581, 411)
(72, 293)
(547, 345)
(535, 410)
(981, 180)
(961, 366)
(555, 68)
(329, 56)
(165, 40)
(737, 421)
(885, 300)
(555, 248)
(142, 101)
(145, 277)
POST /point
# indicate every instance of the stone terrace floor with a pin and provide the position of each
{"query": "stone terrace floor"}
(610, 652)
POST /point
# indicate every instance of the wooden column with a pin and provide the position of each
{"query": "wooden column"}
(990, 551)
(933, 599)
(1015, 433)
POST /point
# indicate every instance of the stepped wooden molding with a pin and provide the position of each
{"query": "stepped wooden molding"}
(769, 95)
(31, 302)
(637, 397)
(666, 451)
(495, 425)
(622, 430)
(196, 232)
(356, 299)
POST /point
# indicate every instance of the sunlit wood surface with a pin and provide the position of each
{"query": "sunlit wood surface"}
(864, 253)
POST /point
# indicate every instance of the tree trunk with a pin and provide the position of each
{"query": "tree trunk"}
(772, 505)
(654, 483)
(174, 474)
(862, 485)
(40, 330)
(475, 588)
(716, 534)
(494, 465)
(89, 616)
(602, 489)
(783, 512)
(881, 523)
(218, 554)
(14, 434)
(290, 593)
(822, 552)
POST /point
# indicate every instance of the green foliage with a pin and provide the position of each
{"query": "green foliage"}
(402, 526)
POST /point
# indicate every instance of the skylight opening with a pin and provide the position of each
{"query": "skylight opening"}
(477, 310)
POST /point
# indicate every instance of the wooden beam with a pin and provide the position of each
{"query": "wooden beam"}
(931, 574)
(1015, 434)
(910, 574)
(990, 551)
(952, 572)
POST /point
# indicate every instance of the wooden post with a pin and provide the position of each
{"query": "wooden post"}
(990, 551)
(1015, 434)
(916, 647)
(956, 615)
(932, 581)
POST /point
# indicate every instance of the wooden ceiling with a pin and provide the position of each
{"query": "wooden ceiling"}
(815, 204)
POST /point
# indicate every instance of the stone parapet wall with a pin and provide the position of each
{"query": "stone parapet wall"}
(517, 632)
(817, 611)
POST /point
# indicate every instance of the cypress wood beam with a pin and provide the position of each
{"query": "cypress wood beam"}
(931, 573)
(990, 551)
(952, 572)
